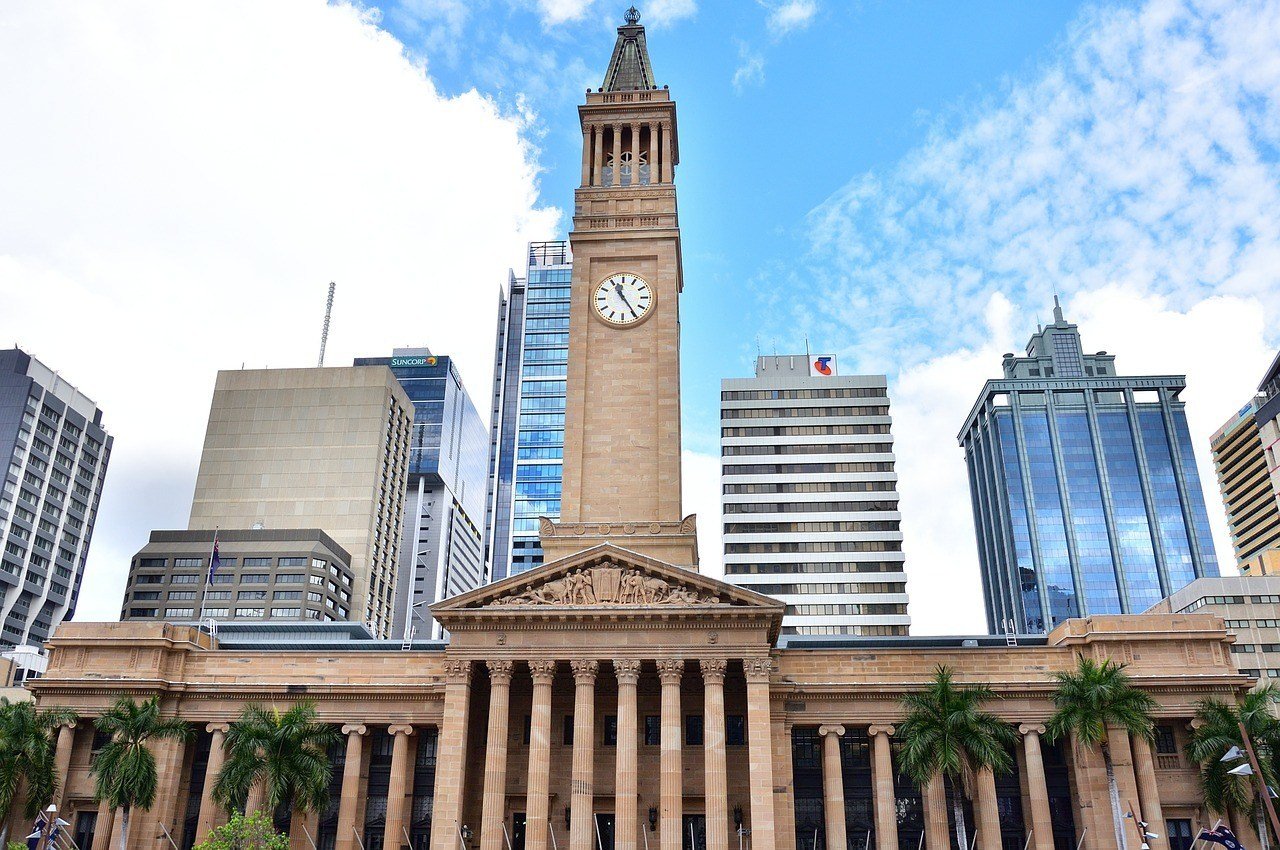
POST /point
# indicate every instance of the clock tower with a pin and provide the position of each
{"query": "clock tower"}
(622, 417)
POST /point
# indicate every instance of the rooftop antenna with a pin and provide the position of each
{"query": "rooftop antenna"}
(775, 346)
(328, 312)
(759, 353)
(806, 347)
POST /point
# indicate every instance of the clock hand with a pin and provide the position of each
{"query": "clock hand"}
(617, 287)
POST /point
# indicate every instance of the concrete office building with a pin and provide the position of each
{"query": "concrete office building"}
(810, 496)
(1250, 609)
(442, 543)
(324, 448)
(1245, 480)
(57, 451)
(526, 448)
(263, 574)
(1086, 497)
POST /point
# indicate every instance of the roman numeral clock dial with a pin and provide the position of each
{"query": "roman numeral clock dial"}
(623, 299)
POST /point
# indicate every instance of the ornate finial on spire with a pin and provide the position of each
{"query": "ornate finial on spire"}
(631, 16)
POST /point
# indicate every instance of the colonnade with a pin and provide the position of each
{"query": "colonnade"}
(451, 766)
(650, 138)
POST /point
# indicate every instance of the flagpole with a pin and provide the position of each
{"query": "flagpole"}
(1265, 790)
(208, 574)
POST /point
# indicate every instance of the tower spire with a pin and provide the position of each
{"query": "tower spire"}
(1057, 310)
(629, 68)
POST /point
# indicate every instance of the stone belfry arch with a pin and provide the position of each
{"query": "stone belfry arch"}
(622, 418)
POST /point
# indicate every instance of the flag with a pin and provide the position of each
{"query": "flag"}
(1221, 835)
(214, 561)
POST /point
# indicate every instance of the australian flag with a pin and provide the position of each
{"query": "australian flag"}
(1221, 835)
(214, 562)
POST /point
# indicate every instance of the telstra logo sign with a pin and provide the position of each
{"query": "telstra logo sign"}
(823, 365)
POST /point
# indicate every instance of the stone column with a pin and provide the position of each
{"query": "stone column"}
(988, 814)
(145, 824)
(351, 790)
(493, 813)
(937, 829)
(617, 155)
(760, 752)
(671, 796)
(833, 788)
(653, 152)
(397, 787)
(1041, 823)
(667, 172)
(304, 827)
(597, 159)
(582, 795)
(586, 154)
(209, 813)
(537, 807)
(626, 779)
(451, 757)
(882, 782)
(62, 761)
(257, 797)
(715, 770)
(103, 827)
(1144, 769)
(635, 154)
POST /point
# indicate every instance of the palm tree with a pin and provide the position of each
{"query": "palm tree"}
(1219, 731)
(1089, 700)
(27, 750)
(947, 733)
(285, 753)
(125, 767)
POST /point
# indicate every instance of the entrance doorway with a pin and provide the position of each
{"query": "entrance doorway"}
(604, 830)
(695, 832)
(517, 831)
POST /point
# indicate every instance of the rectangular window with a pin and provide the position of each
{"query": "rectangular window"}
(652, 730)
(693, 730)
(286, 612)
(252, 595)
(184, 578)
(188, 562)
(253, 578)
(257, 562)
(1166, 743)
(142, 612)
(223, 578)
(287, 595)
(181, 595)
(735, 730)
(611, 730)
(179, 612)
(290, 578)
(249, 612)
(293, 562)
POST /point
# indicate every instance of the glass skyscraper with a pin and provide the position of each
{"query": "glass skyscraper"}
(526, 448)
(442, 549)
(1086, 497)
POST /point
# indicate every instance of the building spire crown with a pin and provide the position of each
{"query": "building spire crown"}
(629, 68)
(1057, 310)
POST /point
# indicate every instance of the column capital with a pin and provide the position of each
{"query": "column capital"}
(1031, 729)
(457, 670)
(757, 669)
(885, 730)
(70, 724)
(224, 728)
(824, 731)
(400, 729)
(354, 729)
(670, 670)
(543, 670)
(584, 670)
(713, 670)
(627, 670)
(500, 671)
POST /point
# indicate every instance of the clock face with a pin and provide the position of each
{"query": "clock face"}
(623, 299)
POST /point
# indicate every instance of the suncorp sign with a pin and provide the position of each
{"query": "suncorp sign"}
(412, 361)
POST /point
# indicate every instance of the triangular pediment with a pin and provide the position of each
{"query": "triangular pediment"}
(607, 577)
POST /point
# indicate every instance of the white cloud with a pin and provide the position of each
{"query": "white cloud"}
(700, 474)
(750, 70)
(555, 12)
(790, 15)
(1218, 343)
(659, 13)
(192, 176)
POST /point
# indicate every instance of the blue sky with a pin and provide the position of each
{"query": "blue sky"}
(904, 183)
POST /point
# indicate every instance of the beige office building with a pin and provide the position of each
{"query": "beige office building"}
(313, 448)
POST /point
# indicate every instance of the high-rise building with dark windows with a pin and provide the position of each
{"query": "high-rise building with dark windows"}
(526, 447)
(442, 538)
(1086, 497)
(51, 435)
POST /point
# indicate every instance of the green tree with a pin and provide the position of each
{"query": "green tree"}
(285, 753)
(1219, 731)
(1088, 701)
(245, 832)
(27, 750)
(124, 769)
(946, 733)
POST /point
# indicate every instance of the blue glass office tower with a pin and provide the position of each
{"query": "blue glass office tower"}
(442, 547)
(526, 447)
(1086, 497)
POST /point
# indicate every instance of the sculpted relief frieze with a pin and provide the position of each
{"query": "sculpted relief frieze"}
(609, 584)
